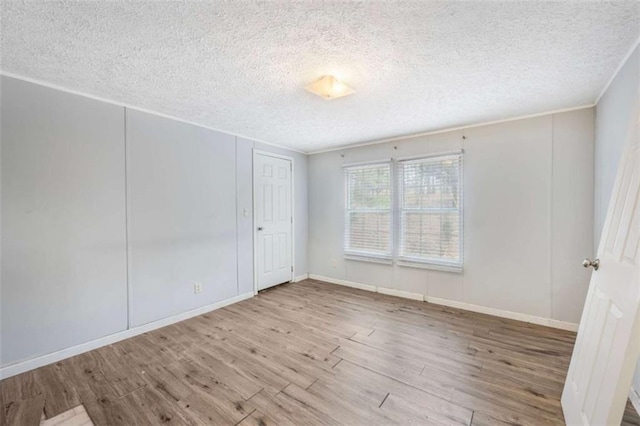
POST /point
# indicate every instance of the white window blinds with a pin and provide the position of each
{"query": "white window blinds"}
(368, 210)
(431, 210)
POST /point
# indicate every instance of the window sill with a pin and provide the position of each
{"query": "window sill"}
(427, 265)
(406, 263)
(369, 258)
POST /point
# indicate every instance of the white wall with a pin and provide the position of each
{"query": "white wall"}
(614, 116)
(181, 214)
(70, 197)
(63, 267)
(528, 216)
(616, 113)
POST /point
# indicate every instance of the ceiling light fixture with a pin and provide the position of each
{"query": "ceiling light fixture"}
(328, 87)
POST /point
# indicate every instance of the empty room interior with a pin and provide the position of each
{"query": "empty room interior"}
(320, 213)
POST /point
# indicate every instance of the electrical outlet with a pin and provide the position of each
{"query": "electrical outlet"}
(334, 263)
(246, 212)
(197, 288)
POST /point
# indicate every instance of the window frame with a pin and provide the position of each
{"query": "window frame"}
(361, 254)
(396, 211)
(424, 262)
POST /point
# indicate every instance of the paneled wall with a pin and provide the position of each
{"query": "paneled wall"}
(64, 264)
(111, 215)
(528, 217)
(181, 216)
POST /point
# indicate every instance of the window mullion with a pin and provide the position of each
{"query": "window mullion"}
(396, 198)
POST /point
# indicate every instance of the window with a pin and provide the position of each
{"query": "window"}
(428, 219)
(431, 210)
(368, 210)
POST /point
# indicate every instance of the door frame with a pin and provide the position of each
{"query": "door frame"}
(255, 228)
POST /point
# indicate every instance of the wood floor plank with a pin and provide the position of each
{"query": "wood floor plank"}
(436, 407)
(59, 394)
(313, 353)
(223, 372)
(481, 419)
(201, 409)
(99, 398)
(23, 386)
(3, 414)
(409, 413)
(523, 379)
(491, 348)
(121, 373)
(294, 347)
(142, 351)
(399, 368)
(631, 417)
(228, 405)
(262, 374)
(149, 407)
(167, 384)
(24, 412)
(379, 384)
(288, 323)
(445, 358)
(506, 408)
(342, 411)
(287, 410)
(271, 324)
(516, 367)
(173, 339)
(337, 326)
(273, 359)
(258, 418)
(378, 358)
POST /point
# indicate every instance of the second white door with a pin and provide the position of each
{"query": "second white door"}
(273, 219)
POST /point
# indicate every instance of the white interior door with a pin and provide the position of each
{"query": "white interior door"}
(608, 342)
(273, 219)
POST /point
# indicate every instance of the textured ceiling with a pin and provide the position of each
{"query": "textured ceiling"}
(241, 66)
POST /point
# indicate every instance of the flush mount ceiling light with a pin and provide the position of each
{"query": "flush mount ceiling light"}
(328, 87)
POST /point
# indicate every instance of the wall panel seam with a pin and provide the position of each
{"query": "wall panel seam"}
(126, 218)
(237, 236)
(551, 205)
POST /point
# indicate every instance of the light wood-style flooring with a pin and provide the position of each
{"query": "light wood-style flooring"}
(312, 353)
(74, 417)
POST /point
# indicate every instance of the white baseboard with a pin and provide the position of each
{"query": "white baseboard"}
(40, 361)
(351, 284)
(454, 304)
(400, 293)
(300, 278)
(634, 397)
(504, 314)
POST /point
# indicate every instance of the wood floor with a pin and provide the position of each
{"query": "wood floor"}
(312, 353)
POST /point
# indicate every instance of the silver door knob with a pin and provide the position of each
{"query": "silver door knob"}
(594, 263)
(260, 228)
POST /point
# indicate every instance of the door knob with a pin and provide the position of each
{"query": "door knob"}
(260, 228)
(588, 262)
